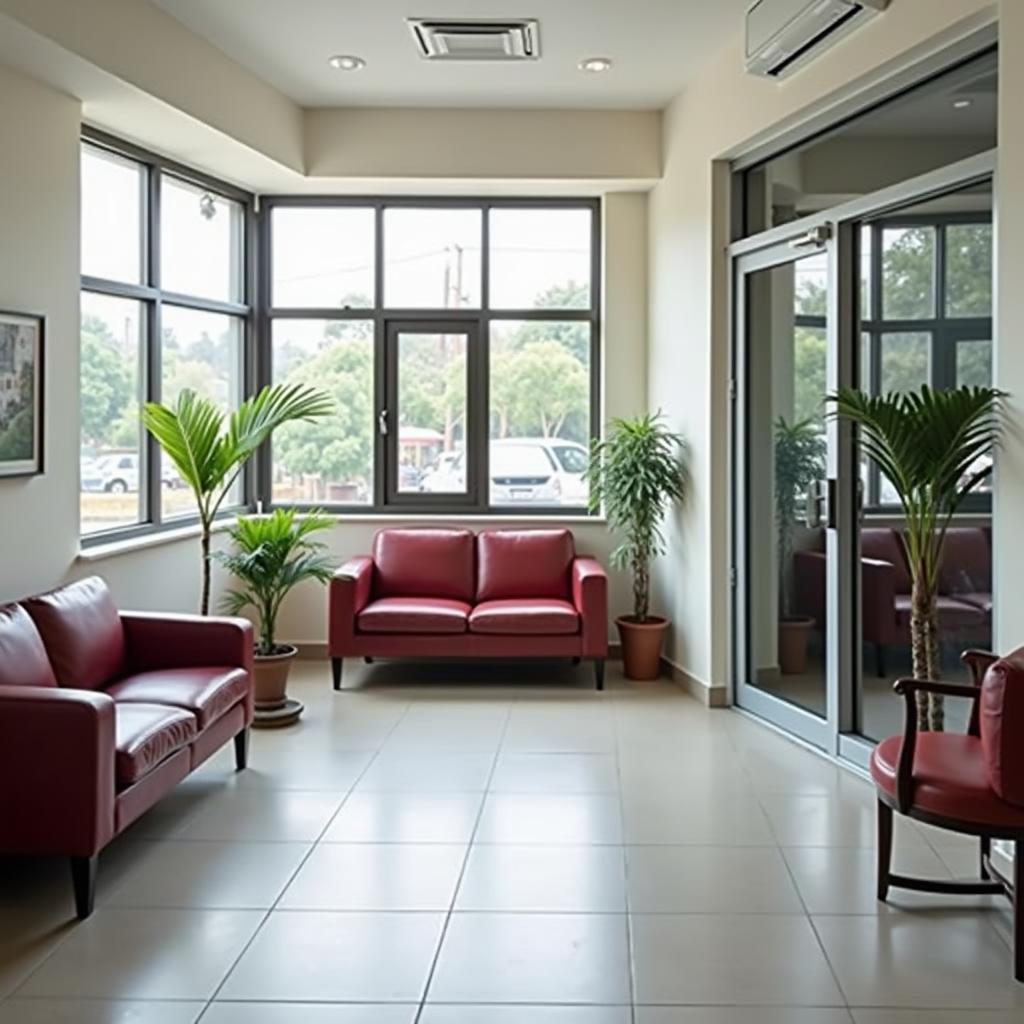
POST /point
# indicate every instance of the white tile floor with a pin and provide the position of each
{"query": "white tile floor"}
(471, 845)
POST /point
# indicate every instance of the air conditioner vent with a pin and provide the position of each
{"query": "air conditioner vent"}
(485, 39)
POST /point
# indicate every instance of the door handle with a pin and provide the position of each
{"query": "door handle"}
(813, 505)
(382, 421)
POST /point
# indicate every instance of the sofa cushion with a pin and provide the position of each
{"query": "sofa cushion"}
(1001, 717)
(953, 613)
(424, 562)
(966, 562)
(145, 735)
(23, 660)
(413, 615)
(886, 545)
(535, 617)
(524, 564)
(82, 632)
(206, 692)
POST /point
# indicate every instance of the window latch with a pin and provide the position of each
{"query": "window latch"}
(816, 237)
(382, 421)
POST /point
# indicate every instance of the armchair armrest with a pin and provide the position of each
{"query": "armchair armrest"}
(590, 596)
(909, 689)
(348, 594)
(57, 760)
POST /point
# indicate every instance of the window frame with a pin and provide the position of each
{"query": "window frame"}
(478, 320)
(152, 297)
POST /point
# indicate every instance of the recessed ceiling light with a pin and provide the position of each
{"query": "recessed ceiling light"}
(962, 104)
(346, 62)
(595, 65)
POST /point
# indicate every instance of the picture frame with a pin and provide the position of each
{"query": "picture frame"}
(22, 383)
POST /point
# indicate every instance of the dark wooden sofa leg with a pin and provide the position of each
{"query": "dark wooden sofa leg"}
(985, 853)
(599, 672)
(367, 659)
(83, 880)
(884, 848)
(336, 671)
(242, 749)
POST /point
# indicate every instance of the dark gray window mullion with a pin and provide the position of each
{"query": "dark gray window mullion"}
(260, 328)
(154, 355)
(381, 455)
(596, 377)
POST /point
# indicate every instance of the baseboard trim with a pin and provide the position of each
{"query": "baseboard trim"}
(316, 650)
(711, 696)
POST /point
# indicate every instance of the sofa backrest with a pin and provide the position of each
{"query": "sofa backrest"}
(23, 659)
(966, 562)
(523, 564)
(424, 562)
(82, 631)
(1001, 721)
(885, 544)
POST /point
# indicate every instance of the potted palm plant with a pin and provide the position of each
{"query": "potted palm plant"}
(934, 447)
(209, 458)
(634, 474)
(271, 555)
(799, 461)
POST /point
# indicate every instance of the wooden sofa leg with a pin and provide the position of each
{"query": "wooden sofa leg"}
(367, 660)
(242, 749)
(985, 853)
(336, 671)
(599, 672)
(83, 880)
(884, 848)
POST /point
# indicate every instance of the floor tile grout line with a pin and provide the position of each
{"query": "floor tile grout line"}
(462, 870)
(630, 960)
(316, 842)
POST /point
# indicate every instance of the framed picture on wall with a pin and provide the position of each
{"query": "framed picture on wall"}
(21, 394)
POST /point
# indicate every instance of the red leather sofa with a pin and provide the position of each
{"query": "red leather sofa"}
(446, 593)
(103, 713)
(965, 587)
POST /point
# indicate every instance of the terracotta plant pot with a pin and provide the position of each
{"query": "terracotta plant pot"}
(794, 635)
(270, 677)
(641, 645)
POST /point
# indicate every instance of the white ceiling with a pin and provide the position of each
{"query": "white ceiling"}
(655, 44)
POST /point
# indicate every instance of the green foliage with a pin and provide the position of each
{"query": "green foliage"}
(635, 473)
(799, 461)
(209, 458)
(272, 554)
(107, 386)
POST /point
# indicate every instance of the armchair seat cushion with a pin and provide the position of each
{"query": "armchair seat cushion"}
(954, 613)
(538, 617)
(146, 735)
(413, 615)
(950, 779)
(205, 692)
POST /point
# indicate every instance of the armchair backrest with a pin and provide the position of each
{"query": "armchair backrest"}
(966, 562)
(524, 564)
(885, 545)
(1001, 721)
(82, 632)
(23, 658)
(424, 562)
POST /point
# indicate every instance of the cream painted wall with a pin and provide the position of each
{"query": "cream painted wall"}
(721, 111)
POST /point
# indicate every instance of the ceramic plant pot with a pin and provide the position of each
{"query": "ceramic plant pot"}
(641, 645)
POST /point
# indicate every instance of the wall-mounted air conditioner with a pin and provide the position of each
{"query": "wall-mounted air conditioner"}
(783, 35)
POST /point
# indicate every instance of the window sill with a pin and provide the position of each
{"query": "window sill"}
(126, 545)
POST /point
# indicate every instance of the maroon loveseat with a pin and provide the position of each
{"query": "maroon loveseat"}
(103, 713)
(449, 594)
(965, 587)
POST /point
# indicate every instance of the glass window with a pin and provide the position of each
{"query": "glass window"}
(329, 459)
(908, 273)
(200, 242)
(969, 270)
(540, 259)
(323, 257)
(112, 339)
(113, 198)
(974, 364)
(905, 361)
(540, 403)
(432, 258)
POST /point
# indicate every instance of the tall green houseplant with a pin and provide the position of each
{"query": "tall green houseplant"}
(935, 447)
(210, 457)
(799, 461)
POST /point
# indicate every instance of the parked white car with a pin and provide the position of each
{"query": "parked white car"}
(538, 471)
(119, 473)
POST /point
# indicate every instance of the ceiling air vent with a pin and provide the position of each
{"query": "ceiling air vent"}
(485, 39)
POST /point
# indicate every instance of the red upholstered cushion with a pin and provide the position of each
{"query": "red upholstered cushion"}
(541, 617)
(147, 734)
(1002, 726)
(82, 632)
(524, 563)
(950, 779)
(424, 563)
(23, 660)
(206, 692)
(413, 615)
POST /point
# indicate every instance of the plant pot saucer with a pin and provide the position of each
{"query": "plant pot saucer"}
(274, 718)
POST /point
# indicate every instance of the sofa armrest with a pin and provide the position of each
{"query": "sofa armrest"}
(57, 760)
(878, 605)
(590, 596)
(160, 640)
(809, 573)
(348, 594)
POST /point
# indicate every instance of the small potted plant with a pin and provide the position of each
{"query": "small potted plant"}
(270, 555)
(635, 473)
(799, 461)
